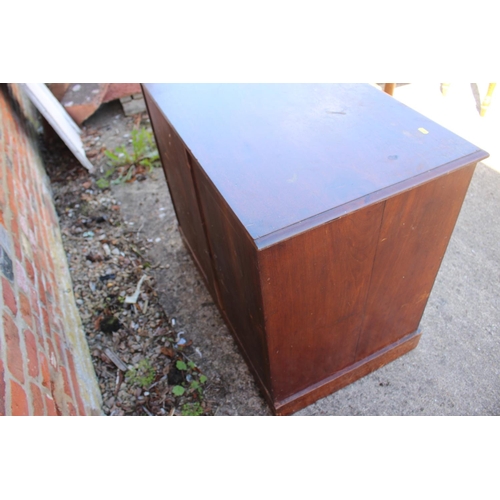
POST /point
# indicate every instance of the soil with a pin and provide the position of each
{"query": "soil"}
(158, 343)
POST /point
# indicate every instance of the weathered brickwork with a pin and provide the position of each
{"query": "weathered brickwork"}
(45, 366)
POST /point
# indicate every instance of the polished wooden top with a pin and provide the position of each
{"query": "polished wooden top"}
(286, 157)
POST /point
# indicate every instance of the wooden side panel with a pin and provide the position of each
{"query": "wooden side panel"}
(237, 275)
(416, 229)
(177, 169)
(347, 376)
(314, 291)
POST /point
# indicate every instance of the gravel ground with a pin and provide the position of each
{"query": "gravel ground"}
(173, 335)
(144, 364)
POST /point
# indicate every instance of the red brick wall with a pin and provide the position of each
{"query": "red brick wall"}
(45, 366)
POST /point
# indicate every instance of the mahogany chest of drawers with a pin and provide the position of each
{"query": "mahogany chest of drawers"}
(318, 216)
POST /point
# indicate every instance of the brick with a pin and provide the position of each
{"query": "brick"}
(50, 311)
(41, 292)
(23, 171)
(15, 361)
(18, 400)
(74, 380)
(44, 364)
(58, 326)
(56, 395)
(67, 387)
(38, 201)
(52, 354)
(25, 247)
(22, 207)
(46, 322)
(14, 225)
(8, 132)
(38, 330)
(42, 235)
(134, 106)
(17, 245)
(37, 261)
(3, 201)
(31, 351)
(51, 407)
(48, 287)
(11, 192)
(2, 389)
(9, 299)
(32, 210)
(37, 400)
(35, 308)
(29, 270)
(23, 223)
(15, 135)
(21, 278)
(25, 306)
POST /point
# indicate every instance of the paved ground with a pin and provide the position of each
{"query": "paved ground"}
(455, 370)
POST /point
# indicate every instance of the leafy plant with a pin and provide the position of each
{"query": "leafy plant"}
(143, 152)
(178, 390)
(142, 375)
(180, 365)
(192, 410)
(196, 385)
(142, 158)
(102, 183)
(193, 377)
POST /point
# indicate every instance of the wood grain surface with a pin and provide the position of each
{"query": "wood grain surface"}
(314, 288)
(415, 232)
(303, 149)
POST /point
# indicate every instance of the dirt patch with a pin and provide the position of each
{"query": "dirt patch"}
(167, 352)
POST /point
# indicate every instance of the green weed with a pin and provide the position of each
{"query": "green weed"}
(194, 380)
(178, 390)
(143, 375)
(102, 183)
(141, 157)
(191, 410)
